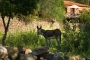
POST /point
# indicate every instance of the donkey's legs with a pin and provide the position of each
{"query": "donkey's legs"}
(47, 42)
(58, 40)
(50, 43)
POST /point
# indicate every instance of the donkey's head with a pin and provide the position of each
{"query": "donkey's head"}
(39, 30)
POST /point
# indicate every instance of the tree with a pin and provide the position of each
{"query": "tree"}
(52, 9)
(11, 8)
(85, 17)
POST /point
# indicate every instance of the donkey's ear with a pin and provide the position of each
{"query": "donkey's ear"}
(40, 26)
(37, 27)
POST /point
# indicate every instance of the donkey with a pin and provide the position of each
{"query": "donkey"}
(48, 34)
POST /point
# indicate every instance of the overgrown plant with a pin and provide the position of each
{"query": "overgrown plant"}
(28, 39)
(76, 42)
(52, 9)
(85, 17)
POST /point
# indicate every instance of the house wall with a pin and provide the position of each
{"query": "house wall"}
(70, 3)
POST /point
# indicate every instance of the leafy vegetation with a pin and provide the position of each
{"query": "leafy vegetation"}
(11, 8)
(28, 39)
(85, 17)
(52, 9)
(76, 43)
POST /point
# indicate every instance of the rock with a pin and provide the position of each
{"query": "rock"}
(3, 52)
(66, 57)
(20, 57)
(57, 56)
(76, 58)
(6, 59)
(87, 59)
(12, 52)
(30, 57)
(49, 56)
(73, 58)
(17, 52)
(24, 50)
(40, 52)
(28, 51)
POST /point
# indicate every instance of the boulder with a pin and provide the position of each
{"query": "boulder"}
(12, 52)
(17, 53)
(76, 58)
(24, 50)
(3, 52)
(49, 56)
(58, 56)
(40, 52)
(87, 59)
(73, 58)
(55, 56)
(66, 57)
(30, 57)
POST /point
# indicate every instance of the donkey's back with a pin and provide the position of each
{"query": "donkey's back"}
(57, 32)
(52, 33)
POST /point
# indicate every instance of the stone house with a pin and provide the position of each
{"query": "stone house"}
(73, 8)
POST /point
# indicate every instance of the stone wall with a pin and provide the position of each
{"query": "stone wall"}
(16, 25)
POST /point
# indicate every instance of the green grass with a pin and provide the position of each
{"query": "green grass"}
(28, 39)
(1, 35)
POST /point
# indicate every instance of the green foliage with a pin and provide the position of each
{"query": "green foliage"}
(76, 43)
(85, 17)
(1, 37)
(28, 39)
(6, 8)
(69, 37)
(10, 8)
(25, 7)
(52, 9)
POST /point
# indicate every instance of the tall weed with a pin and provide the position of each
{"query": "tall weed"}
(76, 43)
(28, 39)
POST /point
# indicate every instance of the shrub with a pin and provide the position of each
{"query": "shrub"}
(85, 17)
(28, 39)
(74, 42)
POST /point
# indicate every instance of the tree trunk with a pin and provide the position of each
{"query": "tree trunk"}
(4, 38)
(6, 26)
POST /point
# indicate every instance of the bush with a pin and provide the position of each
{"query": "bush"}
(85, 17)
(50, 10)
(1, 34)
(76, 43)
(28, 39)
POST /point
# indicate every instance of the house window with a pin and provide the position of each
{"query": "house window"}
(65, 10)
(72, 11)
